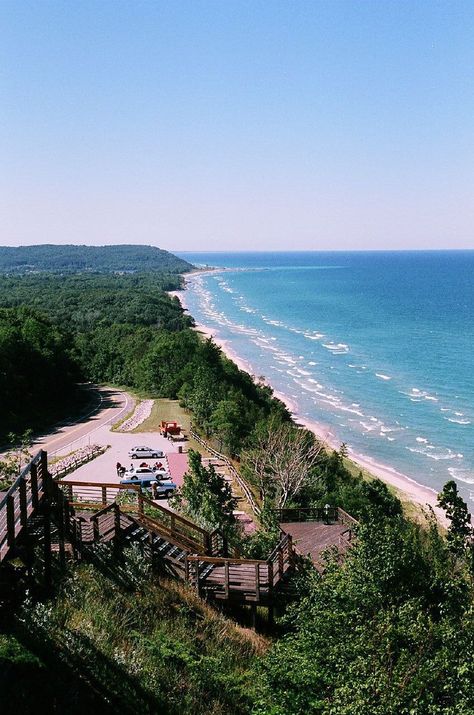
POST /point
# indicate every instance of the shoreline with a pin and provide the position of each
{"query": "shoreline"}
(409, 489)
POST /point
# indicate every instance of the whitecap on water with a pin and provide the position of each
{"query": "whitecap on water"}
(417, 395)
(462, 475)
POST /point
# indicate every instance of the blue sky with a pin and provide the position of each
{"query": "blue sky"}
(237, 125)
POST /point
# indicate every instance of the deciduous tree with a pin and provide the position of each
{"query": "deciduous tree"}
(456, 510)
(282, 460)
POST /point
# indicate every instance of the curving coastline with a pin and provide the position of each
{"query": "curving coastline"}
(408, 488)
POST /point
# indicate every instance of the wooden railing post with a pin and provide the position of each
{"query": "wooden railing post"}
(186, 568)
(67, 517)
(60, 526)
(23, 505)
(44, 463)
(140, 502)
(95, 529)
(270, 575)
(77, 536)
(117, 539)
(226, 579)
(10, 520)
(46, 486)
(104, 496)
(257, 582)
(280, 563)
(198, 585)
(47, 545)
(34, 486)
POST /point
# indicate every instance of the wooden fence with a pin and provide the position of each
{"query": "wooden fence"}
(288, 515)
(241, 482)
(76, 463)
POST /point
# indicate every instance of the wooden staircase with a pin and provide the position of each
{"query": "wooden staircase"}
(66, 519)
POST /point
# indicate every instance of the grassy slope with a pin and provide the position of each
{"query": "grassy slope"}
(119, 637)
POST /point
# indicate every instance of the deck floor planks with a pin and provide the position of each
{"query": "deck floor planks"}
(311, 538)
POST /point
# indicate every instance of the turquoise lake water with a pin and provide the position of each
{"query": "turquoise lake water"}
(375, 346)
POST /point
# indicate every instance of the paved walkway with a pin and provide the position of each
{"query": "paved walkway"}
(178, 466)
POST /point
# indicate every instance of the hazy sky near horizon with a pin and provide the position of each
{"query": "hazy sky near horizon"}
(220, 125)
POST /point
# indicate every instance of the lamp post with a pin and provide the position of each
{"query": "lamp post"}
(326, 513)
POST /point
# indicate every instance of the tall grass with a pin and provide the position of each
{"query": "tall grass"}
(139, 642)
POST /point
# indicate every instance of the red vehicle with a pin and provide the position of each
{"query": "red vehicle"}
(169, 427)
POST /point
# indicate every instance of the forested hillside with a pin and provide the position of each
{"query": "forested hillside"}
(97, 259)
(84, 301)
(123, 330)
(389, 632)
(37, 374)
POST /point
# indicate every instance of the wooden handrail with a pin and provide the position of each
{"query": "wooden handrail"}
(112, 485)
(306, 513)
(345, 518)
(24, 474)
(34, 487)
(176, 538)
(221, 560)
(245, 488)
(283, 541)
(110, 507)
(175, 516)
(143, 500)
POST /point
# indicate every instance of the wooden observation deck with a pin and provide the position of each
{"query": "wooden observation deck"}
(315, 530)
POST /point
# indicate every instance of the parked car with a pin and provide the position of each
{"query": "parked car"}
(149, 482)
(161, 474)
(146, 472)
(145, 453)
(139, 472)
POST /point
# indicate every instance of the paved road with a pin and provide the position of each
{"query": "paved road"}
(110, 406)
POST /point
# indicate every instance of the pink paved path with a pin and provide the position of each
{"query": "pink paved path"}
(178, 466)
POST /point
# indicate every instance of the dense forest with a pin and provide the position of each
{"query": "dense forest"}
(37, 375)
(124, 330)
(96, 259)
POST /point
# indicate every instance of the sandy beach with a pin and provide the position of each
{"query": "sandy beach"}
(409, 489)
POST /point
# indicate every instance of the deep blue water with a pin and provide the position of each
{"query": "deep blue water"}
(377, 347)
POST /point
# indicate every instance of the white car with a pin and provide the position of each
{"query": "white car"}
(140, 472)
(145, 453)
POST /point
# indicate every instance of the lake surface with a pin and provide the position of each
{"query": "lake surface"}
(377, 347)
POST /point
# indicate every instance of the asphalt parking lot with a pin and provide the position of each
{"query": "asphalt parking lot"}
(102, 469)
